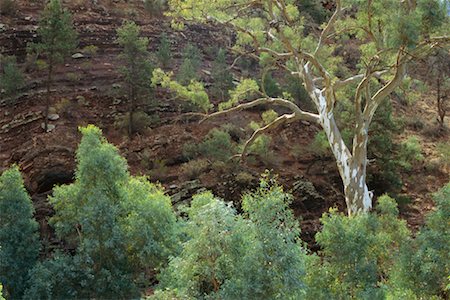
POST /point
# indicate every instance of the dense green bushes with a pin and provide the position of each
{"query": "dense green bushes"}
(119, 231)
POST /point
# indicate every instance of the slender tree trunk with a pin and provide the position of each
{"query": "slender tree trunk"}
(47, 100)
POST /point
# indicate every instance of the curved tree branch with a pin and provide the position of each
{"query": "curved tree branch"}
(274, 124)
(300, 114)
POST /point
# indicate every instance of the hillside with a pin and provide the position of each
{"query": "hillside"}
(87, 90)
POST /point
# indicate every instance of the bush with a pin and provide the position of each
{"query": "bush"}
(11, 78)
(410, 153)
(163, 54)
(221, 76)
(141, 122)
(217, 145)
(424, 263)
(90, 50)
(19, 239)
(194, 168)
(261, 148)
(227, 256)
(358, 252)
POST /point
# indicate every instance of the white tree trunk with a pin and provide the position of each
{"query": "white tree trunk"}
(352, 168)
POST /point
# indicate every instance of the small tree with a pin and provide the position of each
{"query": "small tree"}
(19, 239)
(11, 78)
(221, 75)
(164, 54)
(137, 70)
(57, 40)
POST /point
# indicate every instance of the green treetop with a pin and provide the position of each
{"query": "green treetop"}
(137, 69)
(19, 244)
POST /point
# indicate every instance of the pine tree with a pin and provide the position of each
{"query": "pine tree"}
(137, 69)
(19, 244)
(221, 75)
(11, 78)
(164, 55)
(58, 39)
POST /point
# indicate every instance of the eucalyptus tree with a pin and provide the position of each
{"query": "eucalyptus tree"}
(19, 237)
(390, 34)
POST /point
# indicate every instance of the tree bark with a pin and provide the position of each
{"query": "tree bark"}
(47, 99)
(352, 168)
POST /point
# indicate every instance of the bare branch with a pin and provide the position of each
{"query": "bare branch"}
(329, 25)
(277, 122)
(302, 115)
(383, 92)
(341, 83)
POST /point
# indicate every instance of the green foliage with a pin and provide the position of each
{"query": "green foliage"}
(163, 53)
(217, 145)
(274, 265)
(187, 72)
(121, 226)
(19, 244)
(314, 10)
(193, 53)
(194, 168)
(11, 78)
(137, 70)
(270, 86)
(410, 153)
(1, 293)
(194, 92)
(246, 88)
(227, 256)
(424, 263)
(357, 251)
(57, 37)
(383, 175)
(141, 122)
(221, 75)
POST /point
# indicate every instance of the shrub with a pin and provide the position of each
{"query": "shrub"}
(358, 252)
(187, 72)
(221, 75)
(194, 168)
(424, 263)
(141, 122)
(444, 152)
(261, 148)
(11, 78)
(217, 145)
(409, 153)
(227, 256)
(19, 239)
(90, 50)
(163, 54)
(270, 86)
